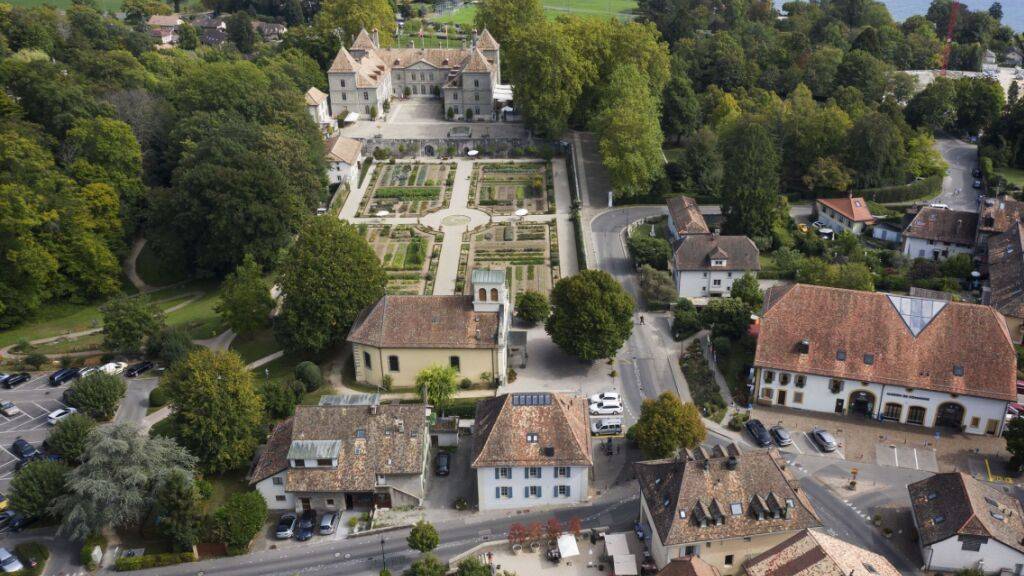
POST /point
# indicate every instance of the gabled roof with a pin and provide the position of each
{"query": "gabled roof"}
(686, 215)
(696, 251)
(363, 41)
(486, 42)
(559, 421)
(955, 504)
(1006, 271)
(951, 347)
(942, 225)
(274, 457)
(342, 149)
(164, 21)
(688, 566)
(343, 62)
(398, 321)
(314, 97)
(999, 214)
(854, 208)
(814, 553)
(477, 62)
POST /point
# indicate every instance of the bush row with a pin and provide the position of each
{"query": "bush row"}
(153, 561)
(890, 194)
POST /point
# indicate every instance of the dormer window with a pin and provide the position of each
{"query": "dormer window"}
(360, 433)
(841, 355)
(938, 519)
(869, 359)
(324, 462)
(717, 262)
(932, 496)
(532, 437)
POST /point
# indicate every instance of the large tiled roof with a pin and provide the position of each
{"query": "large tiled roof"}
(950, 347)
(1006, 271)
(164, 20)
(688, 566)
(314, 97)
(999, 214)
(397, 321)
(955, 504)
(560, 422)
(695, 252)
(686, 215)
(363, 41)
(342, 149)
(942, 225)
(486, 42)
(814, 553)
(274, 457)
(436, 57)
(392, 441)
(855, 209)
(343, 62)
(477, 62)
(757, 497)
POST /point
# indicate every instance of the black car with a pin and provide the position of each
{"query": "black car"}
(976, 184)
(306, 524)
(442, 464)
(138, 369)
(976, 173)
(63, 375)
(22, 449)
(17, 379)
(760, 434)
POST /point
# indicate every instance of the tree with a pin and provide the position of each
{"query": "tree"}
(426, 565)
(934, 107)
(751, 179)
(748, 291)
(245, 301)
(646, 250)
(685, 321)
(958, 266)
(128, 322)
(309, 374)
(533, 306)
(876, 151)
(36, 486)
(98, 395)
(666, 425)
(472, 566)
(169, 345)
(657, 287)
(506, 18)
(827, 177)
(726, 317)
(68, 438)
(436, 385)
(423, 537)
(518, 534)
(864, 72)
(855, 276)
(178, 507)
(349, 17)
(979, 102)
(188, 38)
(680, 108)
(592, 315)
(1014, 436)
(548, 74)
(239, 520)
(216, 408)
(553, 529)
(327, 278)
(116, 483)
(240, 31)
(279, 398)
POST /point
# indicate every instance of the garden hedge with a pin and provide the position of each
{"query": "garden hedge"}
(893, 194)
(153, 561)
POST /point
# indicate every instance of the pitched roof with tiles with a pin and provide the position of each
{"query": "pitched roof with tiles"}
(686, 215)
(999, 214)
(390, 442)
(164, 20)
(363, 41)
(343, 62)
(503, 423)
(274, 457)
(477, 62)
(486, 42)
(696, 251)
(814, 553)
(942, 225)
(398, 321)
(704, 500)
(436, 57)
(1006, 271)
(342, 149)
(950, 347)
(688, 566)
(314, 97)
(855, 209)
(955, 504)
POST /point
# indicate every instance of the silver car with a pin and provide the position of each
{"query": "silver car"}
(825, 441)
(9, 562)
(329, 522)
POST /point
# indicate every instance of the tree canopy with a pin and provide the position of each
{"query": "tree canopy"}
(666, 425)
(592, 315)
(436, 385)
(245, 301)
(98, 395)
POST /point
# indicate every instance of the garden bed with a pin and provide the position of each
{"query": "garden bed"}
(503, 188)
(408, 254)
(701, 381)
(408, 189)
(528, 252)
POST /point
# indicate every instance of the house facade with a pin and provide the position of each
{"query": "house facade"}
(963, 523)
(684, 217)
(344, 156)
(531, 449)
(348, 452)
(887, 357)
(319, 108)
(723, 506)
(938, 233)
(844, 214)
(467, 80)
(401, 335)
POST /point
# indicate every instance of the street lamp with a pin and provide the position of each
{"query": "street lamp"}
(383, 561)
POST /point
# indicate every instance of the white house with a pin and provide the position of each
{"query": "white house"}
(899, 358)
(705, 265)
(684, 217)
(938, 233)
(318, 105)
(844, 214)
(344, 156)
(963, 523)
(531, 449)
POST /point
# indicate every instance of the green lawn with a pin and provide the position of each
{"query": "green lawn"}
(256, 346)
(85, 343)
(552, 8)
(224, 485)
(199, 318)
(108, 5)
(1014, 175)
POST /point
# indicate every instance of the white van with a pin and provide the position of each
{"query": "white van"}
(606, 426)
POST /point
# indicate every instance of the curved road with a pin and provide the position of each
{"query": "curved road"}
(962, 158)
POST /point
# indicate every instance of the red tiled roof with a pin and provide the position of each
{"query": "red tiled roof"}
(855, 209)
(559, 421)
(942, 225)
(398, 321)
(814, 553)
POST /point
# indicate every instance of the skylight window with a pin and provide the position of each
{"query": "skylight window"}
(958, 370)
(869, 359)
(532, 437)
(841, 354)
(932, 496)
(736, 508)
(682, 514)
(939, 519)
(998, 516)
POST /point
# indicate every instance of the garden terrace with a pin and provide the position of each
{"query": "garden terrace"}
(504, 187)
(408, 254)
(408, 189)
(528, 251)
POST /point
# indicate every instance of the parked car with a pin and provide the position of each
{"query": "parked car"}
(19, 522)
(57, 415)
(605, 408)
(760, 434)
(1020, 386)
(609, 396)
(17, 379)
(63, 375)
(781, 436)
(976, 184)
(817, 224)
(306, 523)
(606, 426)
(285, 527)
(3, 502)
(22, 449)
(825, 441)
(442, 464)
(5, 519)
(976, 172)
(9, 562)
(321, 211)
(3, 377)
(8, 409)
(82, 373)
(329, 523)
(138, 369)
(114, 368)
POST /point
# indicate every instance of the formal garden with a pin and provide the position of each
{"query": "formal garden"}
(409, 255)
(504, 187)
(528, 251)
(408, 189)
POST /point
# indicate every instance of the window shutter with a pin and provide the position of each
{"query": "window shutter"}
(495, 473)
(540, 472)
(526, 472)
(568, 491)
(540, 491)
(497, 492)
(526, 492)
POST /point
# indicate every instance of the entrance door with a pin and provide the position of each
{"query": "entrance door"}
(992, 427)
(862, 403)
(305, 504)
(950, 415)
(780, 398)
(839, 405)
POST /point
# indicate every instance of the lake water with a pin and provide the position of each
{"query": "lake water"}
(1013, 10)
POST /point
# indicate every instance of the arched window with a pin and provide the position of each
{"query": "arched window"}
(494, 294)
(482, 295)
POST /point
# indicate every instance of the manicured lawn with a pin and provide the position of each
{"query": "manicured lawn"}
(200, 318)
(224, 485)
(256, 346)
(90, 342)
(103, 5)
(281, 369)
(552, 8)
(154, 270)
(1014, 175)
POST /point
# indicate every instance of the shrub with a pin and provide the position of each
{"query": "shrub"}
(904, 193)
(153, 561)
(466, 384)
(722, 345)
(158, 397)
(35, 552)
(533, 306)
(387, 382)
(36, 360)
(239, 520)
(737, 421)
(309, 374)
(652, 251)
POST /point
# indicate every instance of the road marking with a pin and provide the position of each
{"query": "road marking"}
(811, 442)
(896, 456)
(916, 465)
(797, 448)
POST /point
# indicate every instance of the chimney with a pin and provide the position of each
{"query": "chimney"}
(475, 37)
(374, 408)
(400, 424)
(375, 35)
(706, 464)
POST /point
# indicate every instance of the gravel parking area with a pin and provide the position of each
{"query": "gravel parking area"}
(36, 398)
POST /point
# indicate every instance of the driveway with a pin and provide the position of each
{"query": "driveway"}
(136, 400)
(962, 158)
(443, 491)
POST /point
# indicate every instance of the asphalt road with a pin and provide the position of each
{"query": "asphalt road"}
(962, 158)
(136, 400)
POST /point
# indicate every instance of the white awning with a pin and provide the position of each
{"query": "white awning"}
(351, 117)
(624, 565)
(567, 546)
(616, 544)
(502, 92)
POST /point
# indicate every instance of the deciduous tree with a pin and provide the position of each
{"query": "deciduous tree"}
(592, 315)
(726, 317)
(238, 521)
(506, 18)
(178, 507)
(666, 425)
(436, 385)
(423, 537)
(98, 395)
(629, 136)
(750, 187)
(646, 250)
(245, 301)
(532, 306)
(128, 322)
(68, 438)
(748, 291)
(241, 32)
(36, 486)
(348, 17)
(426, 565)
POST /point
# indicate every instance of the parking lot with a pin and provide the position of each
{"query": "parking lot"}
(35, 398)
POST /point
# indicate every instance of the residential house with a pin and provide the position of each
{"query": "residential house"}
(938, 233)
(213, 37)
(319, 109)
(401, 335)
(688, 566)
(163, 28)
(814, 553)
(531, 449)
(844, 214)
(1006, 278)
(684, 217)
(364, 76)
(888, 232)
(210, 22)
(343, 155)
(996, 215)
(884, 356)
(269, 31)
(963, 523)
(348, 452)
(723, 506)
(164, 37)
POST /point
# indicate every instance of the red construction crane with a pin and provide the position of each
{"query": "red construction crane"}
(953, 11)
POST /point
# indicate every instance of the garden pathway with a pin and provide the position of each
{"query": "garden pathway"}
(129, 267)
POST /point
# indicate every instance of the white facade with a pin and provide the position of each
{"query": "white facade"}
(272, 490)
(951, 555)
(524, 487)
(837, 222)
(706, 284)
(933, 250)
(886, 234)
(878, 401)
(346, 97)
(341, 172)
(321, 114)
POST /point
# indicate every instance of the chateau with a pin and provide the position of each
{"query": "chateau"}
(468, 79)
